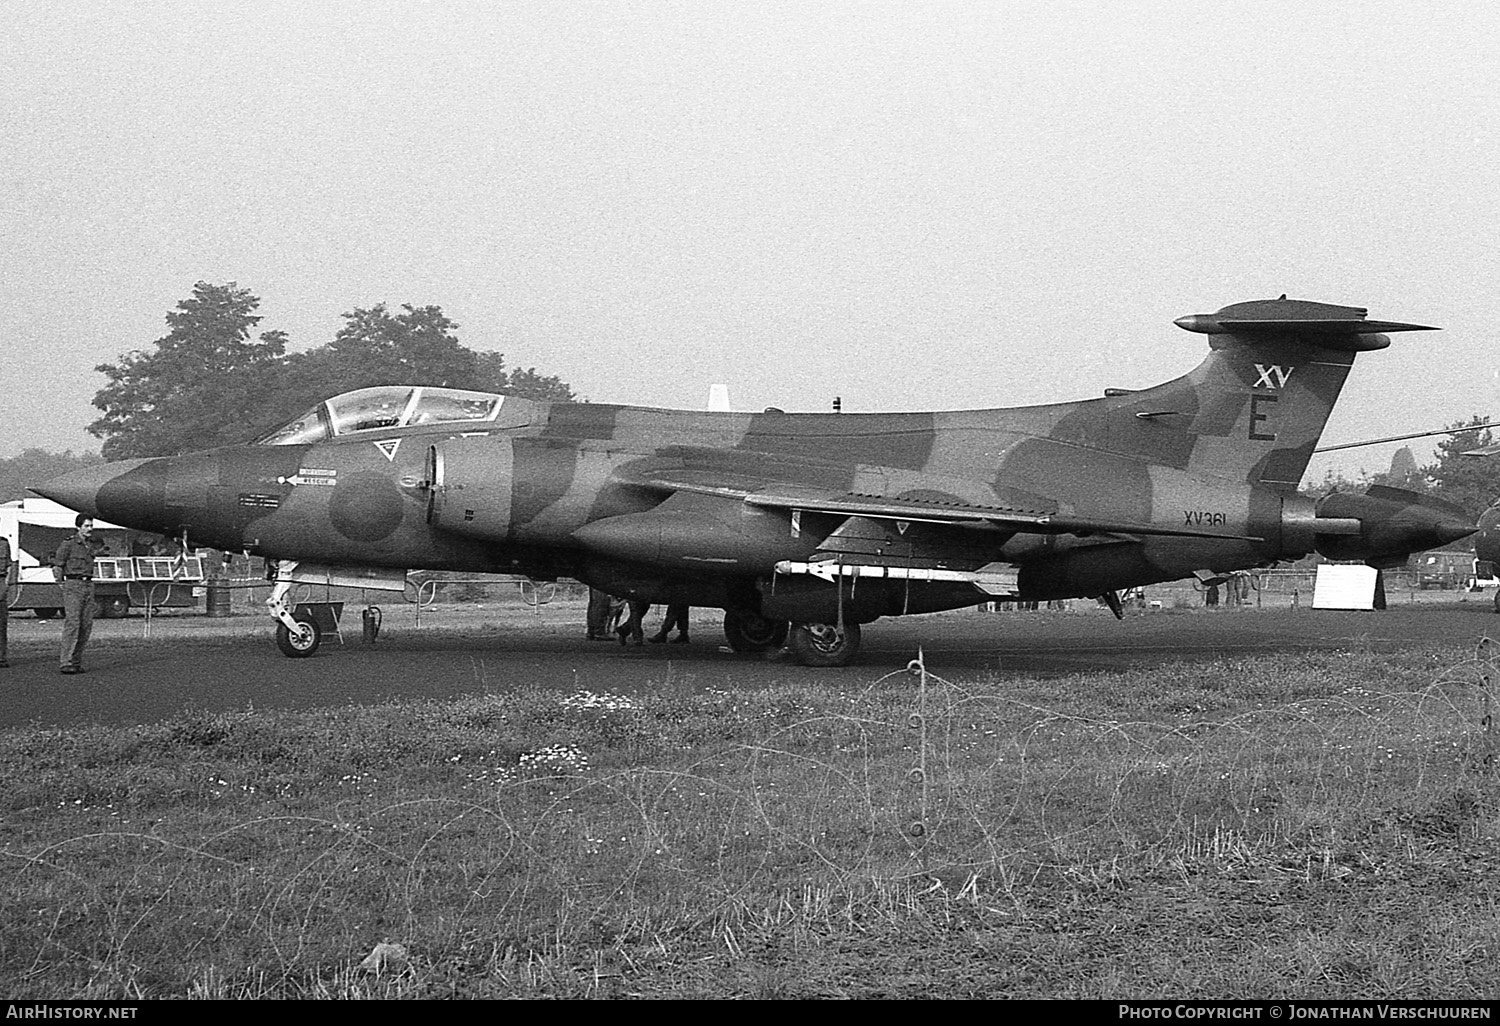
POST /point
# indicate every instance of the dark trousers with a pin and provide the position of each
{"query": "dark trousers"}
(631, 628)
(600, 603)
(676, 619)
(78, 610)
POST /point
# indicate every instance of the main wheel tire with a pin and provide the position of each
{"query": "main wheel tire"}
(749, 632)
(823, 644)
(112, 607)
(302, 644)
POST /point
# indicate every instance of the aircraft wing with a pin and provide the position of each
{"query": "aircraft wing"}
(972, 514)
(778, 495)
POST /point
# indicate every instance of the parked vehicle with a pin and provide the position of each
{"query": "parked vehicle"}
(124, 576)
(1445, 570)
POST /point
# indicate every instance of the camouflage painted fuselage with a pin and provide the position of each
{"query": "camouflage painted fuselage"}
(1080, 498)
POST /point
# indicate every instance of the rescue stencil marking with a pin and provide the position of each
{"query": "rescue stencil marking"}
(389, 447)
(309, 476)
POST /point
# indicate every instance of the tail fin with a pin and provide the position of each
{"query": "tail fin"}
(1256, 407)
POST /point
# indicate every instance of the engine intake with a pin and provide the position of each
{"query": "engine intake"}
(469, 482)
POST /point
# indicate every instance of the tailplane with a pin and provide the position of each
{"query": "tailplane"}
(1257, 406)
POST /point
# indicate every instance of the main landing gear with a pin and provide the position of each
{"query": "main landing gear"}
(811, 644)
(748, 632)
(824, 644)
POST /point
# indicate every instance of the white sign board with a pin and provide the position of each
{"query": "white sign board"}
(1344, 587)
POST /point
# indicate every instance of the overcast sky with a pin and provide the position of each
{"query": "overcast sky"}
(910, 205)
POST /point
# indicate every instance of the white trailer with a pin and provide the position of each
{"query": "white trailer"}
(35, 527)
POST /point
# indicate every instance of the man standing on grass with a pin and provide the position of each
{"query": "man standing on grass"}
(73, 566)
(5, 564)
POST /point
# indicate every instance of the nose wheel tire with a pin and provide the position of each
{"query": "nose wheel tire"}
(301, 644)
(747, 632)
(824, 644)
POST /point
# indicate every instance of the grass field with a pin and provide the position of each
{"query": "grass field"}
(1321, 825)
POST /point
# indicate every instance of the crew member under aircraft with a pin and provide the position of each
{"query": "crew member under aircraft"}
(630, 629)
(677, 617)
(601, 609)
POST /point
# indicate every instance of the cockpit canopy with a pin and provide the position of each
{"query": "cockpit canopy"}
(385, 407)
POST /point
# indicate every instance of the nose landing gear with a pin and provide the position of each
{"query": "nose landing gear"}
(296, 634)
(301, 642)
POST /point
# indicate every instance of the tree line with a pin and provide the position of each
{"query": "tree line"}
(211, 380)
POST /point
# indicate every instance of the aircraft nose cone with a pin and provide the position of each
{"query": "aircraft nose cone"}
(128, 493)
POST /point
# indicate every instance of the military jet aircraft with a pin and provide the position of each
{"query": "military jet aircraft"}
(803, 527)
(1487, 542)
